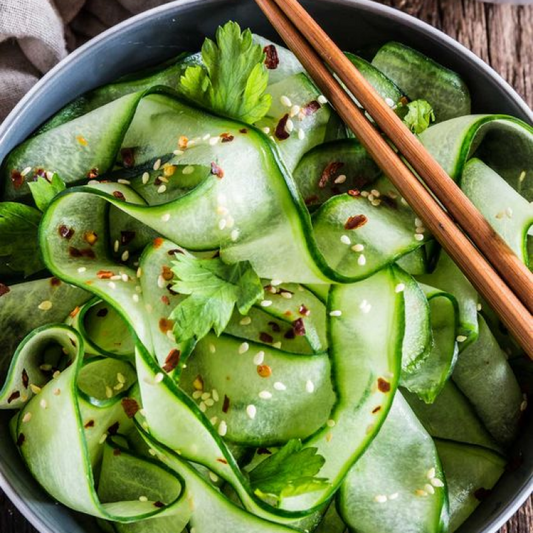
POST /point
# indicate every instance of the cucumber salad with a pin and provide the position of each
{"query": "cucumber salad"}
(217, 315)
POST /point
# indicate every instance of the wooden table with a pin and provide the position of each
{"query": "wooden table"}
(500, 35)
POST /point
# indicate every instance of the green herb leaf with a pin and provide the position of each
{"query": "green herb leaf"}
(419, 116)
(44, 190)
(289, 472)
(19, 246)
(234, 79)
(215, 288)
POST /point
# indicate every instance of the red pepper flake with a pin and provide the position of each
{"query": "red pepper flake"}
(216, 170)
(172, 360)
(65, 232)
(271, 57)
(4, 289)
(82, 140)
(165, 299)
(482, 494)
(165, 325)
(117, 452)
(223, 461)
(226, 137)
(101, 313)
(74, 312)
(130, 406)
(40, 173)
(311, 199)
(303, 310)
(263, 451)
(14, 396)
(128, 157)
(54, 282)
(330, 171)
(113, 430)
(85, 252)
(158, 242)
(90, 237)
(126, 237)
(89, 424)
(104, 274)
(404, 100)
(175, 251)
(376, 410)
(225, 405)
(287, 313)
(275, 327)
(157, 182)
(243, 130)
(264, 371)
(265, 337)
(355, 222)
(354, 193)
(290, 334)
(299, 327)
(17, 179)
(281, 128)
(166, 273)
(311, 108)
(383, 385)
(159, 505)
(119, 196)
(25, 379)
(21, 440)
(92, 174)
(388, 201)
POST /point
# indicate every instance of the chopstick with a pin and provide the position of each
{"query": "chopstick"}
(294, 25)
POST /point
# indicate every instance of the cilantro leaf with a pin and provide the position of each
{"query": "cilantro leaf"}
(19, 246)
(215, 288)
(234, 79)
(289, 472)
(419, 116)
(44, 190)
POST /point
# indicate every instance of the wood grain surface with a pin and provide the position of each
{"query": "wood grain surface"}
(501, 35)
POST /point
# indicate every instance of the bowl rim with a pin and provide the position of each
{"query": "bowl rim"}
(368, 6)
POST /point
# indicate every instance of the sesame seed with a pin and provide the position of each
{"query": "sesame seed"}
(125, 256)
(400, 287)
(310, 386)
(431, 473)
(289, 126)
(57, 392)
(189, 169)
(165, 217)
(212, 348)
(301, 134)
(509, 212)
(161, 282)
(81, 270)
(280, 386)
(143, 499)
(266, 303)
(234, 235)
(421, 229)
(295, 109)
(419, 492)
(112, 285)
(197, 394)
(245, 321)
(419, 237)
(380, 498)
(436, 482)
(108, 392)
(365, 306)
(251, 411)
(265, 395)
(361, 260)
(206, 137)
(44, 404)
(244, 347)
(403, 201)
(389, 102)
(124, 182)
(214, 393)
(358, 247)
(203, 407)
(376, 193)
(26, 171)
(178, 152)
(418, 223)
(222, 428)
(162, 189)
(26, 418)
(335, 313)
(340, 179)
(429, 488)
(213, 141)
(394, 496)
(35, 389)
(322, 99)
(209, 402)
(364, 194)
(221, 210)
(286, 294)
(345, 239)
(145, 178)
(159, 377)
(375, 203)
(460, 338)
(222, 223)
(46, 305)
(259, 358)
(116, 246)
(157, 164)
(230, 222)
(523, 406)
(285, 101)
(265, 130)
(479, 307)
(213, 477)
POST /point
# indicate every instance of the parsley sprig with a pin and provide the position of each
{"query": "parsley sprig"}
(233, 80)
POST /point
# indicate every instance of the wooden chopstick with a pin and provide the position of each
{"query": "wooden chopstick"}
(476, 268)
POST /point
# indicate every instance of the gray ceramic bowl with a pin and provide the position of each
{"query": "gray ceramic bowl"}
(161, 33)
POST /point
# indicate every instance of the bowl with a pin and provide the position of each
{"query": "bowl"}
(161, 33)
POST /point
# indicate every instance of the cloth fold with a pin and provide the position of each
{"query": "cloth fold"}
(36, 34)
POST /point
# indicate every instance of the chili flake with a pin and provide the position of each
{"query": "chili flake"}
(165, 325)
(304, 311)
(159, 505)
(104, 274)
(383, 385)
(20, 440)
(118, 195)
(113, 430)
(165, 299)
(266, 337)
(25, 379)
(14, 396)
(82, 140)
(89, 424)
(264, 371)
(243, 130)
(92, 174)
(271, 57)
(90, 237)
(128, 157)
(4, 289)
(330, 170)
(226, 137)
(216, 170)
(354, 193)
(65, 232)
(17, 179)
(311, 108)
(281, 129)
(54, 282)
(355, 222)
(226, 404)
(101, 313)
(299, 327)
(130, 406)
(172, 360)
(158, 242)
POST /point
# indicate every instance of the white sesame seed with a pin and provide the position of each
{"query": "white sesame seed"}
(389, 102)
(429, 488)
(123, 181)
(286, 294)
(214, 420)
(523, 406)
(400, 287)
(431, 473)
(143, 499)
(420, 229)
(212, 348)
(365, 194)
(206, 137)
(165, 217)
(203, 407)
(189, 169)
(301, 134)
(44, 404)
(178, 152)
(27, 418)
(244, 347)
(157, 164)
(245, 321)
(265, 395)
(161, 281)
(259, 358)
(509, 212)
(116, 246)
(197, 394)
(214, 140)
(418, 223)
(35, 389)
(285, 101)
(340, 179)
(460, 338)
(375, 203)
(276, 282)
(436, 482)
(234, 235)
(162, 189)
(251, 411)
(46, 305)
(145, 178)
(335, 313)
(346, 240)
(358, 247)
(135, 298)
(376, 193)
(266, 130)
(331, 423)
(361, 260)
(222, 428)
(479, 307)
(266, 303)
(26, 171)
(310, 386)
(280, 386)
(419, 237)
(295, 109)
(394, 496)
(205, 395)
(81, 270)
(214, 393)
(221, 210)
(380, 498)
(289, 126)
(209, 402)
(125, 256)
(322, 99)
(222, 223)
